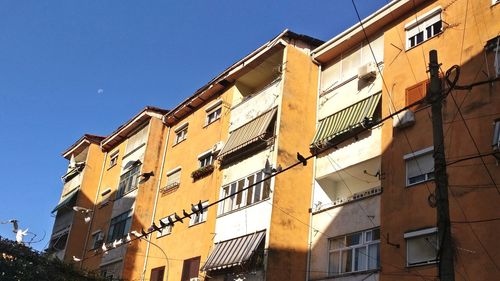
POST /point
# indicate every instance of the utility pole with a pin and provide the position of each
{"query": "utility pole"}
(435, 96)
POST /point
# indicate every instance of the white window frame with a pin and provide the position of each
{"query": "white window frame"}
(113, 159)
(248, 196)
(198, 218)
(214, 112)
(366, 242)
(133, 174)
(202, 159)
(170, 173)
(422, 233)
(166, 230)
(496, 134)
(421, 25)
(411, 157)
(181, 133)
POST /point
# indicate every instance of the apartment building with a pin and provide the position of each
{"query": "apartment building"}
(464, 33)
(345, 223)
(79, 189)
(108, 191)
(224, 140)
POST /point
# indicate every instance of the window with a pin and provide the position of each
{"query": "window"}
(119, 226)
(137, 140)
(58, 243)
(166, 230)
(206, 159)
(97, 239)
(247, 197)
(157, 274)
(190, 269)
(199, 218)
(354, 252)
(496, 135)
(419, 166)
(113, 159)
(421, 246)
(173, 178)
(181, 133)
(213, 115)
(129, 180)
(423, 28)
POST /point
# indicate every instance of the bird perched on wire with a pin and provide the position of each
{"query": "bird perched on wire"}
(302, 159)
(19, 232)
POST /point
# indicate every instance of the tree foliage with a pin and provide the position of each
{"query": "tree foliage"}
(22, 263)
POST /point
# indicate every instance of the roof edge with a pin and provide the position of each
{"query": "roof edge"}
(85, 139)
(146, 112)
(219, 80)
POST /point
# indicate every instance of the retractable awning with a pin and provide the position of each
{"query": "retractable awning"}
(345, 120)
(248, 133)
(233, 252)
(66, 199)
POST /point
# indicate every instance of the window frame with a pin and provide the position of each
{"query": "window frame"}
(363, 243)
(412, 156)
(495, 143)
(113, 159)
(129, 180)
(181, 133)
(422, 23)
(166, 230)
(241, 200)
(204, 156)
(97, 243)
(126, 219)
(422, 233)
(215, 108)
(198, 218)
(173, 185)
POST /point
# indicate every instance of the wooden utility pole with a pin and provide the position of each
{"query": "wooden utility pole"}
(435, 96)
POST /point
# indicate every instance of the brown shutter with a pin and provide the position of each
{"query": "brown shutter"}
(190, 268)
(415, 93)
(157, 274)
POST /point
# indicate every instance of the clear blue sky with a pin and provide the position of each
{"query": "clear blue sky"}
(55, 56)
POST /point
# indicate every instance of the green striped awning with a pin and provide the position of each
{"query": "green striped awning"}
(345, 120)
(66, 199)
(248, 133)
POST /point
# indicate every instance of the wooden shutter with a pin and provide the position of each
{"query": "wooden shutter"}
(190, 268)
(157, 274)
(415, 93)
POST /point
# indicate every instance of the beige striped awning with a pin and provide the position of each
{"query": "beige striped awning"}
(233, 252)
(248, 133)
(345, 120)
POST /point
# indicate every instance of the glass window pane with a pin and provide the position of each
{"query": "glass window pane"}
(422, 249)
(374, 256)
(250, 190)
(360, 258)
(337, 243)
(346, 261)
(333, 264)
(353, 239)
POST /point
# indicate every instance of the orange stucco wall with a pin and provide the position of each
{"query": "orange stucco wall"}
(288, 235)
(186, 241)
(86, 197)
(468, 25)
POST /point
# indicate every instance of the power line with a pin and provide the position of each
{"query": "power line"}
(477, 221)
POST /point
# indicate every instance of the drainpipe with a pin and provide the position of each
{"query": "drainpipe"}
(313, 178)
(93, 209)
(156, 203)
